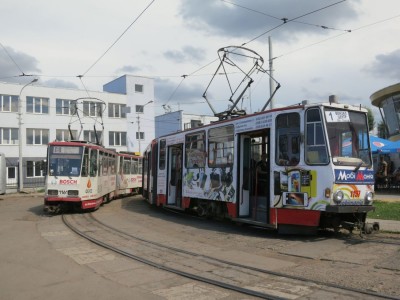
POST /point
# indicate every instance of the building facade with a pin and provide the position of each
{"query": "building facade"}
(121, 117)
(178, 120)
(388, 102)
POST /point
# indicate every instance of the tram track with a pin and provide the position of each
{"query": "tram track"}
(217, 272)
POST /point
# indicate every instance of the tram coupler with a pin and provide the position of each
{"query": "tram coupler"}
(52, 209)
(368, 228)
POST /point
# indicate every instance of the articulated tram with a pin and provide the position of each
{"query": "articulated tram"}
(82, 175)
(315, 170)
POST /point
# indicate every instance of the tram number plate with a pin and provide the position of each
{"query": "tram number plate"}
(337, 116)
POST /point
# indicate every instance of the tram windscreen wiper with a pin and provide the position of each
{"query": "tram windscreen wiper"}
(358, 166)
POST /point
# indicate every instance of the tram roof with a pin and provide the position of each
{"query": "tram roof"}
(300, 106)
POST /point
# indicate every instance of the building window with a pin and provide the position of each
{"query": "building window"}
(140, 135)
(37, 105)
(8, 136)
(116, 138)
(138, 88)
(64, 135)
(8, 103)
(11, 172)
(65, 107)
(92, 109)
(140, 108)
(34, 169)
(37, 136)
(90, 136)
(116, 110)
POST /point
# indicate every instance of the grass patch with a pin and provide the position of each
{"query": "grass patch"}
(385, 211)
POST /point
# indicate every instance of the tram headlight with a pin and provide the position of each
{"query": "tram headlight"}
(73, 193)
(338, 196)
(369, 197)
(52, 192)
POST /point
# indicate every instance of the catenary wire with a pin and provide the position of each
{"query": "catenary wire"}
(112, 45)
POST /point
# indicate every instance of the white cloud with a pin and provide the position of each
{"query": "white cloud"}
(180, 37)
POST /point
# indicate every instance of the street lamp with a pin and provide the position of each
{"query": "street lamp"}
(20, 175)
(138, 123)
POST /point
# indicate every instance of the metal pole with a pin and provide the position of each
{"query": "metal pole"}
(271, 72)
(138, 125)
(138, 120)
(20, 165)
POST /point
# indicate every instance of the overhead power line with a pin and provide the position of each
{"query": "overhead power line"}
(15, 63)
(286, 20)
(112, 45)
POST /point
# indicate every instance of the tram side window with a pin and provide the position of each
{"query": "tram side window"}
(288, 139)
(195, 150)
(220, 146)
(134, 166)
(104, 163)
(127, 166)
(111, 164)
(85, 163)
(93, 162)
(162, 154)
(316, 151)
(140, 166)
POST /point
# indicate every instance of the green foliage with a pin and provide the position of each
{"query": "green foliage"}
(371, 119)
(386, 211)
(382, 130)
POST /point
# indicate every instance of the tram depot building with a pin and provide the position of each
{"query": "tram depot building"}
(43, 114)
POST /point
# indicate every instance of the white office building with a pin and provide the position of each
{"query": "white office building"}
(122, 116)
(175, 121)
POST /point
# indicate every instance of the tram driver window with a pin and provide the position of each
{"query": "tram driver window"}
(315, 148)
(288, 137)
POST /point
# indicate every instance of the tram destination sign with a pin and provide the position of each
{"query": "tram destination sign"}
(336, 116)
(66, 150)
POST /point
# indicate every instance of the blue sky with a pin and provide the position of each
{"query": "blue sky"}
(347, 48)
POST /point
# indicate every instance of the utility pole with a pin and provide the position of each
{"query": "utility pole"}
(139, 137)
(20, 166)
(138, 124)
(271, 73)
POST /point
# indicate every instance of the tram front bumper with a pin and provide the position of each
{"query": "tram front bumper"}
(343, 209)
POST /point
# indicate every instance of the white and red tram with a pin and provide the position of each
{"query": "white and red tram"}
(317, 170)
(82, 175)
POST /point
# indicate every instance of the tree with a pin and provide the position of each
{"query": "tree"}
(382, 130)
(371, 119)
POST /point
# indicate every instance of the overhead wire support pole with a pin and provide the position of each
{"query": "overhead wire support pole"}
(271, 73)
(20, 164)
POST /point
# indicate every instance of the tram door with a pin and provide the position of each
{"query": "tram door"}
(174, 179)
(254, 176)
(245, 170)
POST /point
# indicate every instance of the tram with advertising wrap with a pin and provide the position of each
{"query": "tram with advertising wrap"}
(81, 176)
(295, 169)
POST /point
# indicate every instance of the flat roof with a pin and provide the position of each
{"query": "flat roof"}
(379, 96)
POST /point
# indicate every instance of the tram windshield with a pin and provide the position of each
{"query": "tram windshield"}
(348, 137)
(65, 161)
